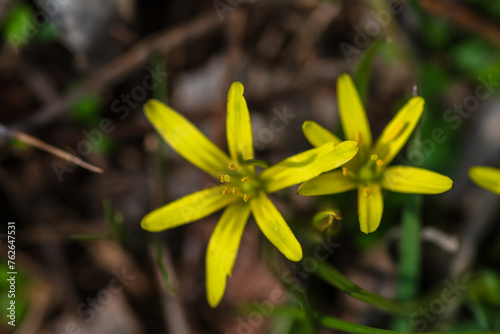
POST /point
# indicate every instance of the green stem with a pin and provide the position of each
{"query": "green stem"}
(409, 257)
(409, 246)
(332, 276)
(409, 263)
(348, 327)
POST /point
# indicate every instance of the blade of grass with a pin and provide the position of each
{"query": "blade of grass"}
(332, 276)
(348, 327)
(162, 267)
(362, 71)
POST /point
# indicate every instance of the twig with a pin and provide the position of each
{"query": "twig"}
(464, 17)
(32, 141)
(119, 68)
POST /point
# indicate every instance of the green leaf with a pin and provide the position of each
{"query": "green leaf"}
(363, 70)
(18, 27)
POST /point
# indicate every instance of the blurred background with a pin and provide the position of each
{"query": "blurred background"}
(75, 75)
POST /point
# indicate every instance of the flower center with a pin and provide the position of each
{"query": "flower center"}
(240, 182)
(367, 173)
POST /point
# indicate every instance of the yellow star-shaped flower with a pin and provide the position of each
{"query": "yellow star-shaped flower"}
(242, 190)
(369, 172)
(486, 177)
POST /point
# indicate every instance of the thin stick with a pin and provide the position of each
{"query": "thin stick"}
(32, 141)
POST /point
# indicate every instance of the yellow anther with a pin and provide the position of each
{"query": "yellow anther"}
(379, 162)
(245, 179)
(396, 131)
(367, 191)
(344, 171)
(235, 192)
(359, 138)
(245, 198)
(232, 166)
(225, 191)
(222, 178)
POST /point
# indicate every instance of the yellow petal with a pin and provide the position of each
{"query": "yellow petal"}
(352, 113)
(328, 183)
(486, 177)
(239, 128)
(370, 207)
(186, 139)
(223, 248)
(307, 165)
(413, 180)
(318, 135)
(187, 209)
(274, 227)
(396, 133)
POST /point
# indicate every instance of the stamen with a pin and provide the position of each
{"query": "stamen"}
(245, 179)
(344, 171)
(235, 192)
(379, 162)
(337, 215)
(359, 138)
(396, 131)
(225, 191)
(367, 191)
(232, 166)
(222, 178)
(245, 197)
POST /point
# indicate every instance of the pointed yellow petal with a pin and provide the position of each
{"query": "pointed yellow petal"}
(223, 248)
(186, 139)
(413, 180)
(325, 184)
(306, 165)
(396, 133)
(318, 135)
(187, 209)
(352, 113)
(370, 207)
(274, 227)
(239, 128)
(486, 177)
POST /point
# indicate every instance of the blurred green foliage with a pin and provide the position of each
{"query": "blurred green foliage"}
(23, 23)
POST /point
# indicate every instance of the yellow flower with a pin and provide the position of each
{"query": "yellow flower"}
(242, 190)
(486, 177)
(369, 172)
